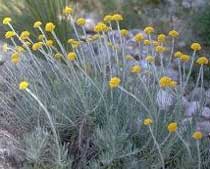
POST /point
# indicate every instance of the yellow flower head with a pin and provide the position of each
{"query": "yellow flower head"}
(139, 37)
(68, 10)
(117, 17)
(166, 81)
(196, 46)
(74, 43)
(150, 59)
(161, 38)
(24, 35)
(197, 135)
(107, 18)
(172, 127)
(129, 57)
(135, 69)
(148, 122)
(41, 37)
(147, 42)
(15, 58)
(173, 33)
(37, 24)
(149, 30)
(160, 49)
(202, 61)
(178, 54)
(58, 56)
(49, 43)
(19, 49)
(23, 85)
(101, 27)
(37, 46)
(7, 20)
(155, 43)
(81, 21)
(184, 58)
(9, 34)
(72, 56)
(49, 27)
(124, 32)
(5, 47)
(114, 82)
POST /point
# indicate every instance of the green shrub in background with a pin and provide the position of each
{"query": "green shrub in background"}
(25, 12)
(201, 25)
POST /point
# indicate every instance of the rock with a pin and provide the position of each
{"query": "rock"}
(165, 99)
(206, 113)
(191, 108)
(203, 126)
(196, 94)
(172, 73)
(9, 155)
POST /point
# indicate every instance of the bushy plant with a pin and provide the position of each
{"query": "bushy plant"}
(26, 12)
(96, 106)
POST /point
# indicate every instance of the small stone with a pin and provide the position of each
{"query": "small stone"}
(191, 108)
(203, 126)
(206, 113)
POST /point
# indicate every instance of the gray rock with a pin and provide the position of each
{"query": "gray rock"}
(191, 108)
(203, 126)
(206, 113)
(196, 94)
(165, 99)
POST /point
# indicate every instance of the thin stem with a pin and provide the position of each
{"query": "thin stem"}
(50, 120)
(158, 148)
(199, 154)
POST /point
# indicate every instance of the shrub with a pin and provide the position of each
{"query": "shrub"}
(97, 107)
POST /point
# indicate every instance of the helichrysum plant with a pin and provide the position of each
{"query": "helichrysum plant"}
(95, 105)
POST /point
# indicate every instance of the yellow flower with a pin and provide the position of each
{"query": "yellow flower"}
(196, 46)
(160, 49)
(135, 69)
(26, 44)
(107, 18)
(58, 56)
(129, 57)
(172, 127)
(150, 59)
(202, 61)
(9, 34)
(155, 43)
(81, 22)
(197, 135)
(41, 37)
(72, 56)
(7, 20)
(166, 81)
(161, 38)
(23, 85)
(19, 49)
(147, 42)
(178, 54)
(49, 27)
(124, 32)
(114, 82)
(49, 43)
(68, 10)
(149, 30)
(74, 43)
(24, 35)
(101, 27)
(184, 58)
(173, 33)
(5, 47)
(37, 46)
(139, 37)
(148, 122)
(15, 58)
(117, 17)
(37, 24)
